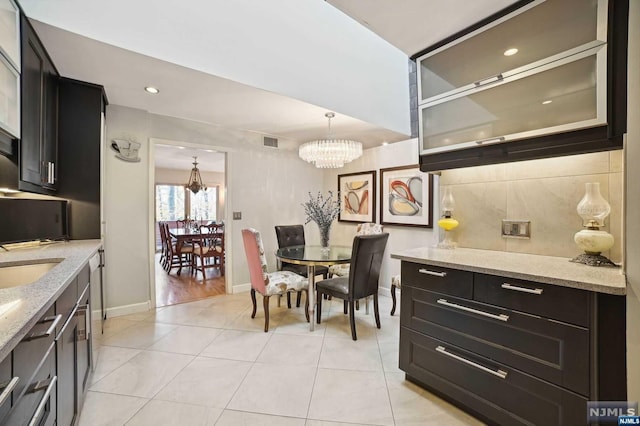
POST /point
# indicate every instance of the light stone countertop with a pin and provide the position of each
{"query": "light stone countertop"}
(543, 269)
(22, 306)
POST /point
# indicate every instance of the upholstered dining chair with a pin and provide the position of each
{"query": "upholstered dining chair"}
(395, 283)
(209, 249)
(268, 283)
(366, 260)
(293, 235)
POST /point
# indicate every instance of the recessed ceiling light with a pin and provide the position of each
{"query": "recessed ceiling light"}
(510, 52)
(181, 147)
(151, 89)
(210, 150)
(547, 102)
(385, 143)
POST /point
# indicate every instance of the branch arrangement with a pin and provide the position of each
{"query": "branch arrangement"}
(321, 210)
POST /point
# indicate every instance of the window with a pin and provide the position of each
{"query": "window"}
(172, 201)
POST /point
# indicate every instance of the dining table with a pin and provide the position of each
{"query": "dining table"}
(312, 256)
(183, 235)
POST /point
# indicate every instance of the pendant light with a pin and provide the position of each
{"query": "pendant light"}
(195, 180)
(330, 153)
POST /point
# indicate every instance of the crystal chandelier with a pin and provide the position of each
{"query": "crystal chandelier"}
(330, 153)
(195, 180)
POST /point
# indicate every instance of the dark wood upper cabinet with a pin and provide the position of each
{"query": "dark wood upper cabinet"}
(563, 92)
(39, 127)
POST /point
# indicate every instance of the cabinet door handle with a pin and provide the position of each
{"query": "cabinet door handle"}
(8, 388)
(49, 331)
(499, 373)
(53, 173)
(522, 289)
(43, 401)
(434, 273)
(84, 325)
(489, 80)
(501, 317)
(491, 140)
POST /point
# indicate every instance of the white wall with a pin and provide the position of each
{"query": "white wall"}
(266, 184)
(403, 153)
(632, 200)
(307, 50)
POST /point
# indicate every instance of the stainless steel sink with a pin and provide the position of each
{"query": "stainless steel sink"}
(17, 275)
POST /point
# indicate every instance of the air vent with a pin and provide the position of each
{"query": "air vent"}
(272, 142)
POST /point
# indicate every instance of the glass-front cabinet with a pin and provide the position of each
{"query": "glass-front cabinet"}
(536, 71)
(9, 68)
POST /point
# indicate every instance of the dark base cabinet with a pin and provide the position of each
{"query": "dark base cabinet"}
(511, 352)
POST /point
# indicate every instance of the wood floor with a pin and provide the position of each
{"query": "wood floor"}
(172, 289)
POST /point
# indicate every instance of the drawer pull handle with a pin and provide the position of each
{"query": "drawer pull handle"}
(49, 331)
(489, 80)
(43, 402)
(8, 388)
(499, 373)
(522, 289)
(491, 140)
(434, 273)
(501, 317)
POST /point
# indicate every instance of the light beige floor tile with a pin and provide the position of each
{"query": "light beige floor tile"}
(144, 375)
(351, 397)
(297, 324)
(389, 328)
(178, 314)
(209, 382)
(285, 349)
(243, 418)
(174, 414)
(108, 358)
(338, 326)
(362, 355)
(141, 316)
(245, 322)
(209, 317)
(389, 352)
(106, 409)
(267, 390)
(141, 336)
(326, 423)
(413, 405)
(113, 326)
(186, 340)
(238, 345)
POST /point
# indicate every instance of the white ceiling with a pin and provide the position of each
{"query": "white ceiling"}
(203, 97)
(181, 158)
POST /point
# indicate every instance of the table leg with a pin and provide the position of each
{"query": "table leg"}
(311, 274)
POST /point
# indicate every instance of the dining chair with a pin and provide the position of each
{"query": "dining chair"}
(164, 251)
(395, 283)
(177, 258)
(366, 259)
(293, 235)
(208, 247)
(269, 283)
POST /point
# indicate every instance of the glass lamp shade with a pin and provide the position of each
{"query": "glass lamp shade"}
(593, 208)
(330, 153)
(447, 203)
(447, 222)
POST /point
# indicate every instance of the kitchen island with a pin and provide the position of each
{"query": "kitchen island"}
(513, 338)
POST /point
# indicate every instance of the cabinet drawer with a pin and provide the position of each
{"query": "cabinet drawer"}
(66, 303)
(500, 393)
(439, 279)
(7, 384)
(562, 303)
(548, 349)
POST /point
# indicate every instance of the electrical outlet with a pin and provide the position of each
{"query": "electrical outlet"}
(237, 215)
(516, 229)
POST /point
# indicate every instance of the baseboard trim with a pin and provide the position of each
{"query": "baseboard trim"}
(119, 311)
(241, 288)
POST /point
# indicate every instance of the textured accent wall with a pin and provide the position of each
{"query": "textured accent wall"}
(546, 192)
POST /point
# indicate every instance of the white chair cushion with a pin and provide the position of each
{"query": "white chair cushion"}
(280, 282)
(340, 270)
(395, 280)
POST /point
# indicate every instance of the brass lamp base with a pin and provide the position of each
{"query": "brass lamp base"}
(593, 260)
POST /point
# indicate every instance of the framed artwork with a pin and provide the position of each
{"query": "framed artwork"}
(357, 197)
(406, 197)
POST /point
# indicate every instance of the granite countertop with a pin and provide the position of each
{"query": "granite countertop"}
(543, 269)
(22, 306)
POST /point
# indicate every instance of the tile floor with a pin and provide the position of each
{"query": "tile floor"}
(208, 363)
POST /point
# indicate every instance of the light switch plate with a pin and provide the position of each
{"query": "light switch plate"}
(516, 229)
(237, 215)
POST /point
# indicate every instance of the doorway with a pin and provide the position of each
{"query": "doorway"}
(174, 204)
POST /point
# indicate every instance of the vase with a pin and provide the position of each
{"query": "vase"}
(324, 235)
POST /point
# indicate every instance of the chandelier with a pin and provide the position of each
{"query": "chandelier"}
(330, 153)
(195, 180)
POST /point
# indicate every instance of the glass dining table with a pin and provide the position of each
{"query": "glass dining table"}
(313, 256)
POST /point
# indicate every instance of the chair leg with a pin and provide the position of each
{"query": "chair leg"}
(298, 298)
(318, 305)
(357, 305)
(265, 302)
(253, 300)
(289, 300)
(352, 319)
(306, 305)
(376, 312)
(393, 298)
(366, 305)
(346, 309)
